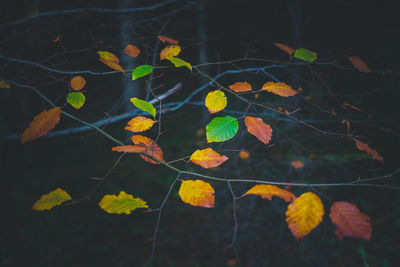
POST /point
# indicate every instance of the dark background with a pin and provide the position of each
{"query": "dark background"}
(84, 235)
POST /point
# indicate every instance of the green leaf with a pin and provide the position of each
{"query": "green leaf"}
(76, 99)
(54, 198)
(123, 203)
(180, 63)
(144, 105)
(141, 71)
(221, 129)
(305, 54)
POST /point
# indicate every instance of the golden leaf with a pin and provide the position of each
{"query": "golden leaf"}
(215, 101)
(281, 89)
(139, 124)
(197, 193)
(207, 158)
(52, 199)
(123, 203)
(113, 65)
(170, 51)
(268, 191)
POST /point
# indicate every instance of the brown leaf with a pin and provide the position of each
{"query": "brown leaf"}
(132, 50)
(77, 83)
(41, 124)
(297, 164)
(240, 87)
(360, 65)
(281, 89)
(166, 39)
(285, 48)
(152, 149)
(129, 149)
(364, 147)
(258, 128)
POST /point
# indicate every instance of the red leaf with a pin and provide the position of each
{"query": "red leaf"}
(258, 128)
(152, 149)
(360, 65)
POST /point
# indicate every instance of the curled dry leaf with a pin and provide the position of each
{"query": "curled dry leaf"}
(268, 191)
(197, 193)
(166, 39)
(350, 221)
(240, 87)
(364, 147)
(281, 89)
(207, 158)
(359, 64)
(285, 48)
(258, 128)
(129, 149)
(77, 83)
(170, 51)
(215, 101)
(139, 124)
(152, 149)
(41, 124)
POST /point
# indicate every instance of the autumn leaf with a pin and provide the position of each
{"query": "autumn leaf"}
(297, 164)
(76, 99)
(351, 106)
(4, 84)
(132, 50)
(197, 193)
(305, 54)
(129, 149)
(41, 124)
(123, 203)
(113, 65)
(364, 147)
(139, 124)
(240, 87)
(52, 199)
(268, 191)
(170, 51)
(347, 124)
(180, 63)
(258, 128)
(77, 83)
(166, 39)
(304, 214)
(108, 56)
(144, 105)
(152, 149)
(281, 89)
(350, 221)
(141, 71)
(221, 129)
(359, 64)
(207, 158)
(285, 48)
(244, 154)
(215, 101)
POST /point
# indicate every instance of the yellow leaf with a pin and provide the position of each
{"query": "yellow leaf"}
(285, 48)
(180, 63)
(258, 128)
(364, 147)
(268, 191)
(52, 199)
(215, 101)
(170, 51)
(41, 124)
(139, 124)
(4, 84)
(152, 149)
(207, 158)
(107, 56)
(240, 87)
(304, 214)
(281, 89)
(197, 193)
(77, 83)
(123, 203)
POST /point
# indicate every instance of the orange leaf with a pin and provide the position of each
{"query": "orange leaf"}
(351, 106)
(350, 220)
(304, 214)
(207, 158)
(360, 65)
(281, 89)
(268, 191)
(152, 149)
(77, 83)
(166, 39)
(240, 87)
(139, 124)
(285, 48)
(197, 193)
(243, 154)
(113, 65)
(170, 51)
(297, 164)
(258, 128)
(41, 124)
(132, 50)
(129, 149)
(364, 147)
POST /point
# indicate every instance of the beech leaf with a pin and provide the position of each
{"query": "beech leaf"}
(360, 65)
(258, 128)
(129, 149)
(207, 158)
(221, 129)
(76, 99)
(268, 191)
(132, 50)
(52, 199)
(240, 87)
(77, 83)
(166, 39)
(139, 124)
(364, 147)
(215, 101)
(305, 54)
(297, 164)
(285, 48)
(113, 65)
(152, 149)
(123, 203)
(197, 193)
(141, 71)
(180, 63)
(281, 89)
(144, 105)
(108, 56)
(170, 51)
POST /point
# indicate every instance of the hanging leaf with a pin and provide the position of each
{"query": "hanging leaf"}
(152, 149)
(364, 147)
(350, 221)
(129, 149)
(144, 105)
(268, 191)
(240, 87)
(197, 193)
(170, 51)
(360, 65)
(166, 39)
(305, 54)
(4, 84)
(221, 129)
(107, 56)
(52, 199)
(180, 63)
(281, 89)
(285, 48)
(297, 164)
(123, 203)
(215, 101)
(76, 99)
(132, 50)
(113, 65)
(139, 124)
(41, 124)
(77, 83)
(141, 71)
(304, 214)
(207, 158)
(258, 128)
(351, 106)
(244, 154)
